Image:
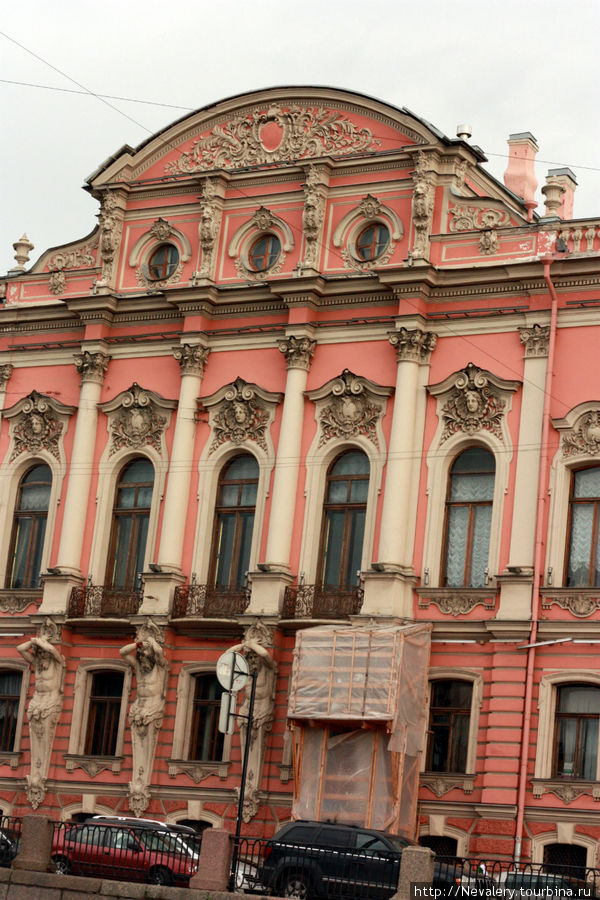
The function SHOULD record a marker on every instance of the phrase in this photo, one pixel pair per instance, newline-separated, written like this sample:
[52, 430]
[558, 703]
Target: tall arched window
[131, 513]
[234, 523]
[469, 518]
[583, 566]
[343, 526]
[29, 528]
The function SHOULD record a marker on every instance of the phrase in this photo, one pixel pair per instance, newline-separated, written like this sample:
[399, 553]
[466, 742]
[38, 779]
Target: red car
[123, 853]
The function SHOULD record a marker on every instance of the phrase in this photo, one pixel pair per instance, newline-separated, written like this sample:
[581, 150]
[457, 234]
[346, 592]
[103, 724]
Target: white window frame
[546, 732]
[475, 678]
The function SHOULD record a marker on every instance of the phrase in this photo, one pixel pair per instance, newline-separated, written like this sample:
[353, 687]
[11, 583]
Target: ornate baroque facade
[313, 367]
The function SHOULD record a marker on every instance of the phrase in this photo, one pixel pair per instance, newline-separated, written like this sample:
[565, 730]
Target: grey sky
[516, 65]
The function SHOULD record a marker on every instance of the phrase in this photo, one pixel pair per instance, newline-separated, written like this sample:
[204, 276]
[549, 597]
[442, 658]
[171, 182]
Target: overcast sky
[503, 67]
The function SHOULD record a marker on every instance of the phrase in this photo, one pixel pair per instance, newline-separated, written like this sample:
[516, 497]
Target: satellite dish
[232, 671]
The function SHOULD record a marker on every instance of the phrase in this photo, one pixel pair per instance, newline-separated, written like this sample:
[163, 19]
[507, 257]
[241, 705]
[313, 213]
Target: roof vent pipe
[464, 132]
[520, 172]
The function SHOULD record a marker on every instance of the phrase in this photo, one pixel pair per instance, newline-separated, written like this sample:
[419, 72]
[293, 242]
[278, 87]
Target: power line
[49, 87]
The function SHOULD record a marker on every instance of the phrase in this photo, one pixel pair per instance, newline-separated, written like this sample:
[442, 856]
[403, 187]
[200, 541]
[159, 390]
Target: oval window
[264, 252]
[163, 262]
[371, 242]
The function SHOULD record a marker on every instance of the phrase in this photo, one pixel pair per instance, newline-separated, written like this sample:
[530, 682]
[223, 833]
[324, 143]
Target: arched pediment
[268, 127]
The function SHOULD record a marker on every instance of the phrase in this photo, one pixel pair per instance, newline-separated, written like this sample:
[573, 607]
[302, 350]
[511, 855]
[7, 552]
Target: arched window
[234, 522]
[106, 694]
[469, 518]
[130, 524]
[206, 741]
[576, 731]
[343, 526]
[583, 566]
[440, 844]
[29, 528]
[10, 697]
[449, 722]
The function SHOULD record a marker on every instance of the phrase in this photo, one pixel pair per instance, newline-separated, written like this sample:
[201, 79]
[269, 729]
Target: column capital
[413, 344]
[535, 339]
[92, 366]
[191, 358]
[6, 371]
[298, 351]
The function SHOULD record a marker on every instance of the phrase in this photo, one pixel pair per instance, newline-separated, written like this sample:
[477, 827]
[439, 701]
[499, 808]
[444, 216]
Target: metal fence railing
[123, 852]
[10, 835]
[484, 877]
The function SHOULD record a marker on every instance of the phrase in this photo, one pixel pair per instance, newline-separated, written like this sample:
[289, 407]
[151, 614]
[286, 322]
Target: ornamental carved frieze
[413, 344]
[275, 134]
[137, 418]
[484, 219]
[441, 784]
[472, 400]
[240, 412]
[455, 603]
[198, 771]
[535, 338]
[566, 791]
[349, 406]
[11, 604]
[38, 423]
[298, 351]
[191, 358]
[161, 230]
[57, 283]
[580, 603]
[92, 366]
[584, 438]
[75, 258]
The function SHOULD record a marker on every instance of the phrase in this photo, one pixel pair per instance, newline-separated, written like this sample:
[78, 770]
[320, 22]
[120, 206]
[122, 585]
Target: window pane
[229, 495]
[334, 532]
[126, 499]
[460, 743]
[357, 530]
[481, 545]
[122, 539]
[10, 694]
[141, 470]
[588, 748]
[249, 494]
[224, 549]
[144, 497]
[567, 737]
[582, 520]
[455, 694]
[472, 487]
[34, 496]
[206, 742]
[246, 523]
[241, 468]
[456, 545]
[587, 483]
[338, 492]
[578, 698]
[359, 491]
[353, 463]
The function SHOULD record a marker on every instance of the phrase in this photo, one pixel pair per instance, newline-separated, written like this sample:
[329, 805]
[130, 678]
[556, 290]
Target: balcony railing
[210, 602]
[98, 601]
[315, 601]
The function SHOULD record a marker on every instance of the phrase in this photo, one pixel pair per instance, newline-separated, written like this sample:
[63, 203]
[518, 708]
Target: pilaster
[516, 582]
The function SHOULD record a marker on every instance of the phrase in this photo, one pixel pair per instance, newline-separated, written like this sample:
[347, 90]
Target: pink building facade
[313, 367]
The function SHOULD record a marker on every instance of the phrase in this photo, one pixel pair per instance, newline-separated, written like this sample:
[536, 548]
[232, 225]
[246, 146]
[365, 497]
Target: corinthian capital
[5, 372]
[191, 358]
[298, 351]
[413, 344]
[535, 340]
[92, 366]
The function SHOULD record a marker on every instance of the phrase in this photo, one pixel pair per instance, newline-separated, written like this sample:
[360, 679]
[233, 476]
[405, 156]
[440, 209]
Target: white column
[395, 544]
[191, 359]
[92, 367]
[298, 351]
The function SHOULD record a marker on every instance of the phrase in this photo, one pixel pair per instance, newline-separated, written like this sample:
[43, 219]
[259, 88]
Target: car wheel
[62, 866]
[160, 875]
[295, 884]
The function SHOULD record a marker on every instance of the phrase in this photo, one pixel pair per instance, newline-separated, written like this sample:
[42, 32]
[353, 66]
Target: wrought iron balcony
[316, 601]
[98, 601]
[210, 602]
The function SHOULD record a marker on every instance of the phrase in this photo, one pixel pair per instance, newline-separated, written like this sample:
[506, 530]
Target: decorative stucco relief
[147, 658]
[584, 437]
[484, 219]
[57, 283]
[348, 406]
[137, 418]
[413, 344]
[424, 179]
[38, 423]
[265, 136]
[161, 230]
[240, 412]
[535, 339]
[45, 705]
[298, 351]
[580, 603]
[111, 226]
[92, 366]
[16, 603]
[191, 358]
[6, 371]
[472, 400]
[455, 603]
[211, 210]
[74, 258]
[313, 214]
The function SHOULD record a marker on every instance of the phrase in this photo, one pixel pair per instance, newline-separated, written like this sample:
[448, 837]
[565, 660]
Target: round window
[371, 242]
[163, 262]
[264, 252]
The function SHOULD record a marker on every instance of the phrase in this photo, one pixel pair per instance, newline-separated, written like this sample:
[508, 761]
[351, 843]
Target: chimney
[520, 172]
[566, 178]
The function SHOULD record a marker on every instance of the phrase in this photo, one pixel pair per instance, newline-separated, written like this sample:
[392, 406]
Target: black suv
[318, 859]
